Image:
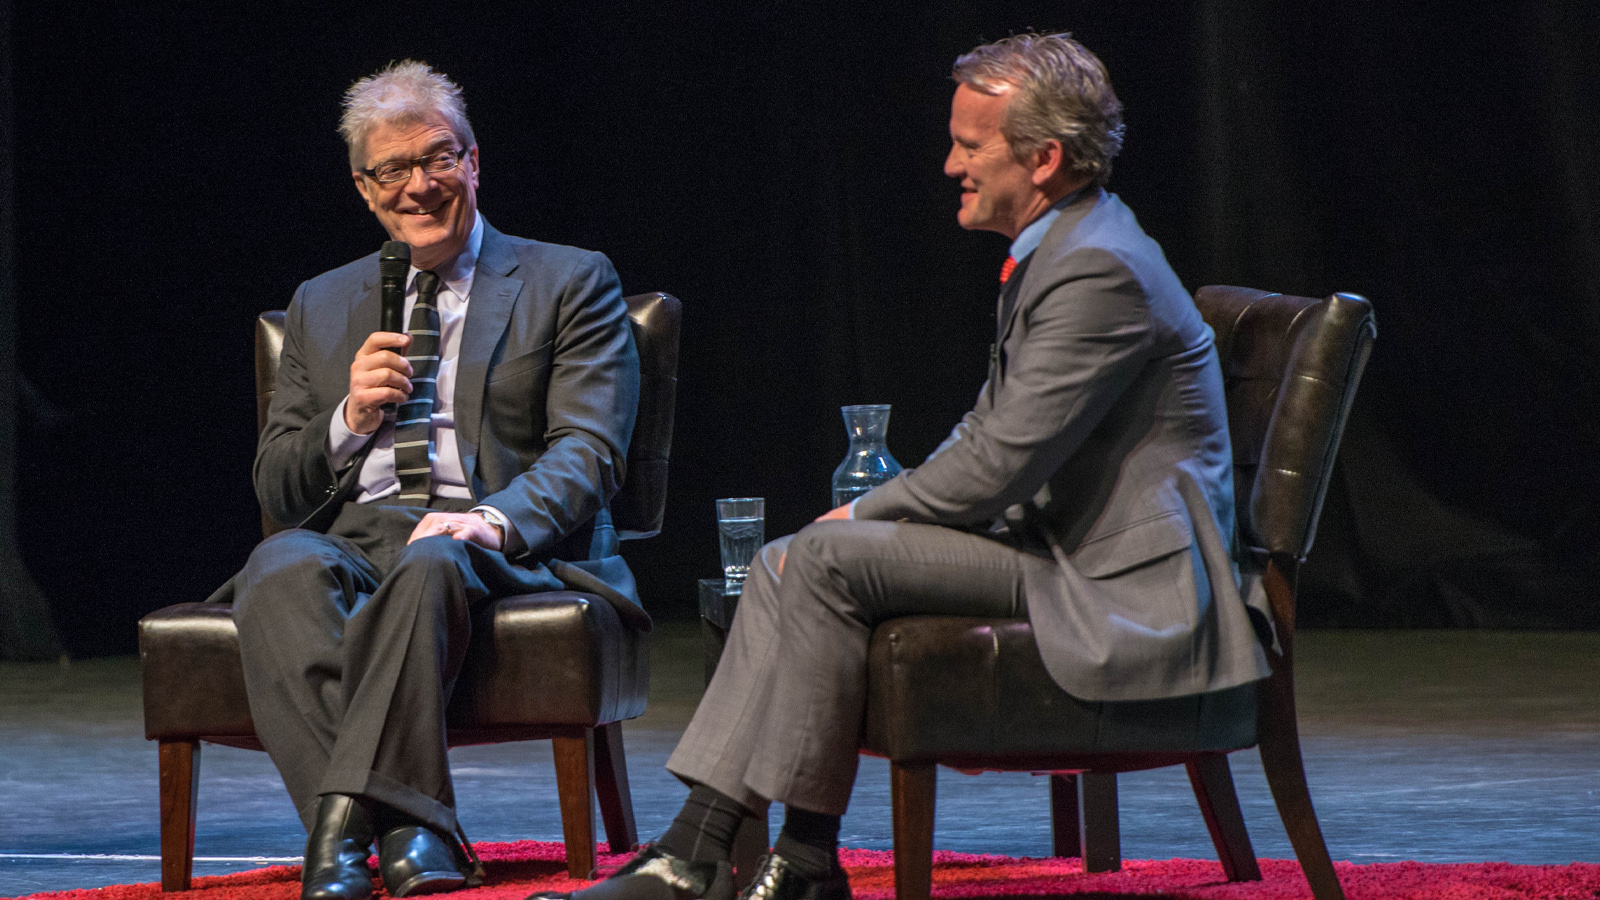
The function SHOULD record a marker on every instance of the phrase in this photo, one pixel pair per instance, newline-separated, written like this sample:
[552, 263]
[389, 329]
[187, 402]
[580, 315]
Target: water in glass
[740, 538]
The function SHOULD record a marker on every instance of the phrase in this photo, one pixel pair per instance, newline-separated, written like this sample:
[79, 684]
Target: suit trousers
[351, 642]
[781, 719]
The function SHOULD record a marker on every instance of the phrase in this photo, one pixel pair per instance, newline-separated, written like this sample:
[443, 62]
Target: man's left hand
[461, 526]
[838, 512]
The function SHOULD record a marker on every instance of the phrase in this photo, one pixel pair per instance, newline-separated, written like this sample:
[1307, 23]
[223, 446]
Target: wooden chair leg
[912, 790]
[1219, 804]
[179, 764]
[1278, 731]
[1100, 833]
[575, 784]
[1286, 775]
[1065, 837]
[611, 787]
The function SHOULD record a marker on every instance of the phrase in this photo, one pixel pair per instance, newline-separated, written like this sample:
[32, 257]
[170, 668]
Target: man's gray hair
[1059, 91]
[403, 93]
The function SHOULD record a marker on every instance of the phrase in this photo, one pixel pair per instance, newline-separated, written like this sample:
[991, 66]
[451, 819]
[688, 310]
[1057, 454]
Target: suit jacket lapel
[365, 314]
[1056, 237]
[494, 296]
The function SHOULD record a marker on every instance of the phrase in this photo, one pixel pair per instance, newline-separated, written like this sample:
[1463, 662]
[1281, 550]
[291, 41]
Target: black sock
[809, 840]
[704, 828]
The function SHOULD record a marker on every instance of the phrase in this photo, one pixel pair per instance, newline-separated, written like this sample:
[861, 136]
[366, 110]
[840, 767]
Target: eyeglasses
[398, 170]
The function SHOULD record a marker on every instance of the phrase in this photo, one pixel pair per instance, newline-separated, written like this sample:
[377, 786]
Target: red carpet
[516, 869]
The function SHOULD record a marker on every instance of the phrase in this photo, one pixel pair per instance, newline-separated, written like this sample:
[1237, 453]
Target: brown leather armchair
[558, 665]
[973, 694]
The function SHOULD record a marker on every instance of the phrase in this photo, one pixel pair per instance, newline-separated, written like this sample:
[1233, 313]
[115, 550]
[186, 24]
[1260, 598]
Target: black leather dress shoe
[777, 879]
[337, 851]
[655, 875]
[415, 860]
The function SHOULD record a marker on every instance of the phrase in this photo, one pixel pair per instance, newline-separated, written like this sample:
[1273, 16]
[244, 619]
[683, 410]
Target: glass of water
[741, 530]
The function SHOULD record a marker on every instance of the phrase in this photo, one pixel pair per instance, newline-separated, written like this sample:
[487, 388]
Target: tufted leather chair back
[639, 506]
[1290, 366]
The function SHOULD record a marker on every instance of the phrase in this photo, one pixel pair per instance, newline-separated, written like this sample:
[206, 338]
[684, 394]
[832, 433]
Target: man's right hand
[380, 374]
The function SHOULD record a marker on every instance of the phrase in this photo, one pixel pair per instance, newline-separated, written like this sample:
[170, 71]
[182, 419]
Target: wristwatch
[496, 518]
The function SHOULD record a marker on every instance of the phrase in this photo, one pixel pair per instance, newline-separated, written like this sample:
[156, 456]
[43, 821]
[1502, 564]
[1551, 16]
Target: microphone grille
[394, 259]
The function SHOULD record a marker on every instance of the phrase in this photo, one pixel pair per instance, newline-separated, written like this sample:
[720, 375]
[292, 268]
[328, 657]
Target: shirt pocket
[1132, 546]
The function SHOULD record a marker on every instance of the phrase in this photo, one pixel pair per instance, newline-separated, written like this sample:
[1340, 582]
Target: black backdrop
[778, 168]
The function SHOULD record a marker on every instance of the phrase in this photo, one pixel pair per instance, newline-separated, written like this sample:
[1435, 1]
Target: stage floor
[1435, 746]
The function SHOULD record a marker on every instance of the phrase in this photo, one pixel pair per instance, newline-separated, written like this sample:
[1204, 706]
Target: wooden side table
[717, 606]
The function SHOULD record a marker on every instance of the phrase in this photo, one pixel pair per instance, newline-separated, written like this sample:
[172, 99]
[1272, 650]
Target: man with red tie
[1089, 490]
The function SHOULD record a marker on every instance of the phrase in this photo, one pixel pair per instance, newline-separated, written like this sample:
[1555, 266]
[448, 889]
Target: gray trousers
[351, 642]
[781, 719]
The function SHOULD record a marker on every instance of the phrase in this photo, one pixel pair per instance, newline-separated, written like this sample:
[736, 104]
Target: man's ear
[1049, 163]
[365, 189]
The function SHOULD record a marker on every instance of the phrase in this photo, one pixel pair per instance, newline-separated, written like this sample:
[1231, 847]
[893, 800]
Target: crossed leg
[348, 669]
[781, 719]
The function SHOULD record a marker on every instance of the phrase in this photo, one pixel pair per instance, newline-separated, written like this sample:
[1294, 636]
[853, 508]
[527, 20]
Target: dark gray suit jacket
[1101, 439]
[546, 394]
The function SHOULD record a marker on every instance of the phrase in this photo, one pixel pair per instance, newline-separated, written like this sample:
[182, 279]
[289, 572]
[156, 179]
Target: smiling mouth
[424, 212]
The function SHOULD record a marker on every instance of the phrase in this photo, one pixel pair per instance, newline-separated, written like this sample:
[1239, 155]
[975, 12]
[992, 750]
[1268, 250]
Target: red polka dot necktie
[1006, 268]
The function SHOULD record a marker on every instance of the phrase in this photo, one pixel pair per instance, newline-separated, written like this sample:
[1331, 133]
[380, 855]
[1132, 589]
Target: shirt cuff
[508, 533]
[343, 444]
[850, 508]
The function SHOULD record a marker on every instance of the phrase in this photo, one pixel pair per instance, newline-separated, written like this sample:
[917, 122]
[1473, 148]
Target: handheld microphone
[394, 262]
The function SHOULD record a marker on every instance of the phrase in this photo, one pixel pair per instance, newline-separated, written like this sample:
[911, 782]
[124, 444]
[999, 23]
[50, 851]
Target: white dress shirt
[377, 478]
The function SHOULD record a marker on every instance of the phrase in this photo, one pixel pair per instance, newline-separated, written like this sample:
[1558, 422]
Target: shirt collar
[1031, 236]
[460, 268]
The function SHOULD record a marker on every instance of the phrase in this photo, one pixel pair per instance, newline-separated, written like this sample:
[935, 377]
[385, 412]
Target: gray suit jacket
[1101, 441]
[546, 395]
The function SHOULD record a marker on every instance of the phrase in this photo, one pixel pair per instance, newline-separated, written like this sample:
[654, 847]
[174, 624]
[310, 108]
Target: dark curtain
[26, 631]
[1441, 159]
[777, 166]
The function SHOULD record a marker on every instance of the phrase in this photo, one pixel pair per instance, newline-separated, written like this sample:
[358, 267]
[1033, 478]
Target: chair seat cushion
[537, 664]
[193, 682]
[974, 694]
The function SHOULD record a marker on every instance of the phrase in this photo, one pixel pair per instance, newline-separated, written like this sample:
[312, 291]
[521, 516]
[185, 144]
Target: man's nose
[953, 166]
[419, 181]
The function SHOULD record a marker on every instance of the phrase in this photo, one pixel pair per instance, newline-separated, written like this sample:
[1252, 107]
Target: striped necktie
[413, 426]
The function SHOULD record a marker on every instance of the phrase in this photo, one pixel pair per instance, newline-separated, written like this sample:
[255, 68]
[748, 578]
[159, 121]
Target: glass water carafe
[868, 463]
